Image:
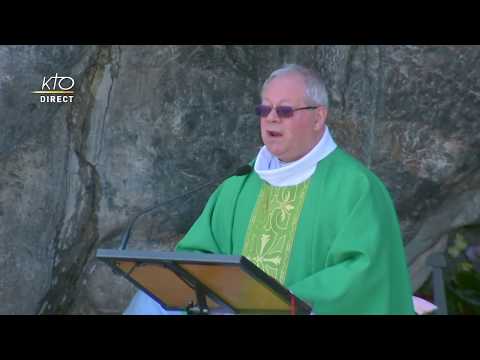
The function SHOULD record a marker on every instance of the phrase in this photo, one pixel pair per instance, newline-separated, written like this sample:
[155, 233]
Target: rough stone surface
[150, 122]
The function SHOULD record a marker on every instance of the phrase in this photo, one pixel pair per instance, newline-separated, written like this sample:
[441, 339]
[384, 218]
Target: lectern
[201, 283]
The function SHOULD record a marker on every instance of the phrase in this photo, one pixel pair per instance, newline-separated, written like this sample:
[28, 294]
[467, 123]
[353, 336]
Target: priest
[309, 214]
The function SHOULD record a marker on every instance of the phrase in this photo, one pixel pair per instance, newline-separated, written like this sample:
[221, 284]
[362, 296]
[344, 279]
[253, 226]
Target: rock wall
[148, 122]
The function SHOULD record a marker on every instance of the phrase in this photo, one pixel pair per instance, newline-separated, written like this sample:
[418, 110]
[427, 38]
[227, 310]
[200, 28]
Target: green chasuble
[346, 252]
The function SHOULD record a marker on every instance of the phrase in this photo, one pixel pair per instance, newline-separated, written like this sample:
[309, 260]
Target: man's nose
[273, 116]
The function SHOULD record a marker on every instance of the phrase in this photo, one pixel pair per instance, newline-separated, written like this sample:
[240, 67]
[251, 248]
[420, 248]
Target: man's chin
[275, 151]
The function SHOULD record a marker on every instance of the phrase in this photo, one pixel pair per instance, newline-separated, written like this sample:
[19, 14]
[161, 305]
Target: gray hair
[315, 93]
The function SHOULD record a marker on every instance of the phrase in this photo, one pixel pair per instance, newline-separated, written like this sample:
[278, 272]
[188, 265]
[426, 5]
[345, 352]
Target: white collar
[268, 166]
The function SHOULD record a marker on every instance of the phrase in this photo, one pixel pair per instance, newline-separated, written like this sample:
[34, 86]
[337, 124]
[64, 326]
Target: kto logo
[56, 89]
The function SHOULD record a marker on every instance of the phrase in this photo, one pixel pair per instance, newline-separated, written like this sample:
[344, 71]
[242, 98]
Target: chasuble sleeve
[200, 237]
[365, 270]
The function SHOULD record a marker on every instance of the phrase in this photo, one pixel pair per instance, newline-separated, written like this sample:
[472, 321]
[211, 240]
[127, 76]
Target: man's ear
[320, 118]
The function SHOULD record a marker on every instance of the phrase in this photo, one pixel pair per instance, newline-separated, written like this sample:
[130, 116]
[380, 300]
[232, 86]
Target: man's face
[289, 139]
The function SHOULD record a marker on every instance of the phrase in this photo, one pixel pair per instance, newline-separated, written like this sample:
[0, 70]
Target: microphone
[243, 170]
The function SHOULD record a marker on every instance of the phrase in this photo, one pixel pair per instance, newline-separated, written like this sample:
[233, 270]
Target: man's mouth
[274, 133]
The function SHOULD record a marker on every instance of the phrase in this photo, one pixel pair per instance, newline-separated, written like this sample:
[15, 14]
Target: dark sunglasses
[282, 111]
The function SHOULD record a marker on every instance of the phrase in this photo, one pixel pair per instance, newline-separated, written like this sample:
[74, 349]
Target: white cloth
[278, 173]
[142, 304]
[422, 306]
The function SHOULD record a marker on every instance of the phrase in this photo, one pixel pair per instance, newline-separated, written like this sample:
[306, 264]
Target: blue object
[142, 304]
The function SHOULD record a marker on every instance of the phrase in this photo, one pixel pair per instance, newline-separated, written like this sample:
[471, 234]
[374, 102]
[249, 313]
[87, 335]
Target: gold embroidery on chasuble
[271, 231]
